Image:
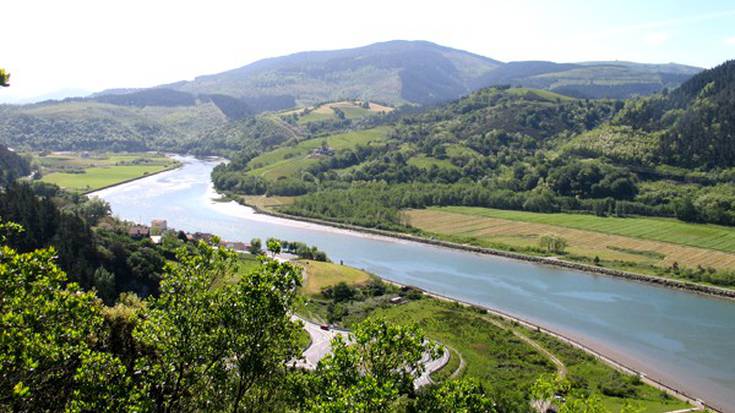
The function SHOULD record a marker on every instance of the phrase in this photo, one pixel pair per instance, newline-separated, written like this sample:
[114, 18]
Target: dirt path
[561, 369]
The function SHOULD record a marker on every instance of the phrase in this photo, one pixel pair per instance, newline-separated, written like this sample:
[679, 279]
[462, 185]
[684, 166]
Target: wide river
[684, 340]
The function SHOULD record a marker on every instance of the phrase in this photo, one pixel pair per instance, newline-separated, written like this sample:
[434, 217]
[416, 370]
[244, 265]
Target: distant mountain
[617, 80]
[393, 72]
[420, 72]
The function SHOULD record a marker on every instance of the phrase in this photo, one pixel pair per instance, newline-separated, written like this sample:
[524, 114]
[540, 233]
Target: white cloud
[656, 38]
[730, 40]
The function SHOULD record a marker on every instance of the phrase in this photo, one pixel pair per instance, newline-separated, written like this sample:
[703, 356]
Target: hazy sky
[93, 45]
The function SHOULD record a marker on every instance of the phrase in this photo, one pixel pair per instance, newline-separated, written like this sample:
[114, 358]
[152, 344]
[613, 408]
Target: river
[682, 339]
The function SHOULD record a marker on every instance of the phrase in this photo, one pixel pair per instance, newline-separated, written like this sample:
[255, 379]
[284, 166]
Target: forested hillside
[516, 148]
[696, 122]
[12, 166]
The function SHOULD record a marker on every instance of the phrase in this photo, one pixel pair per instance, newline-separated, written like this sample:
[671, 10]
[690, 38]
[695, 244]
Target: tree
[4, 78]
[49, 327]
[685, 210]
[553, 243]
[388, 359]
[461, 396]
[180, 329]
[93, 210]
[256, 246]
[590, 404]
[274, 246]
[259, 337]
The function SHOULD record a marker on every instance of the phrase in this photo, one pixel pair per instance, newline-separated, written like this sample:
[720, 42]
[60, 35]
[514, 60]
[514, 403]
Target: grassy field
[79, 173]
[319, 275]
[707, 236]
[484, 227]
[289, 161]
[426, 162]
[352, 110]
[268, 202]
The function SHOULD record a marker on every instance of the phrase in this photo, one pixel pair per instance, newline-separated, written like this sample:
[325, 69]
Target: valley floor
[87, 172]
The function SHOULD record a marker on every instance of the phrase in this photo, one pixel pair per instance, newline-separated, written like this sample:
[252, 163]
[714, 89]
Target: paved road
[320, 343]
[431, 366]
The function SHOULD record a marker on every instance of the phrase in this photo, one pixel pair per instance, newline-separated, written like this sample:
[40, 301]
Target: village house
[235, 245]
[138, 231]
[160, 224]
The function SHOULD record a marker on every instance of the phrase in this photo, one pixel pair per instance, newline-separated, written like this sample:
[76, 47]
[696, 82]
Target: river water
[684, 340]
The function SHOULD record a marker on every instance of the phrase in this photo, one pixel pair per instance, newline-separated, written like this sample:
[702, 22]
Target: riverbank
[635, 370]
[552, 261]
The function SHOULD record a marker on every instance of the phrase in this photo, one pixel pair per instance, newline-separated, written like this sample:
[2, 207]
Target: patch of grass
[289, 161]
[426, 162]
[493, 355]
[78, 173]
[643, 253]
[319, 275]
[591, 374]
[268, 202]
[446, 372]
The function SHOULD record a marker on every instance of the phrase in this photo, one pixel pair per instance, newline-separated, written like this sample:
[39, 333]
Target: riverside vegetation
[526, 150]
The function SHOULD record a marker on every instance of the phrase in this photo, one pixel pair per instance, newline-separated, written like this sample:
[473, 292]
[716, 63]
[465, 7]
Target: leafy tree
[49, 327]
[553, 243]
[274, 246]
[590, 404]
[258, 336]
[256, 246]
[372, 371]
[460, 396]
[4, 78]
[180, 328]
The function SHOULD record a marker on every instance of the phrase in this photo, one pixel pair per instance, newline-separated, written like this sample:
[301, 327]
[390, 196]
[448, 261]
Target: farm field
[484, 227]
[288, 161]
[352, 110]
[84, 173]
[268, 202]
[707, 236]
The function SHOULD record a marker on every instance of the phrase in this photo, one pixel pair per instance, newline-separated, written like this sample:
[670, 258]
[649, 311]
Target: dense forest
[12, 166]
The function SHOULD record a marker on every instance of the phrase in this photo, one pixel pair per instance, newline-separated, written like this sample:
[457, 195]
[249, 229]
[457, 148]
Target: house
[159, 224]
[139, 231]
[322, 151]
[235, 245]
[156, 239]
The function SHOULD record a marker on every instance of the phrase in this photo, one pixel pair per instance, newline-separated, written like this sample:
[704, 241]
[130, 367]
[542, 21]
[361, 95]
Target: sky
[75, 46]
